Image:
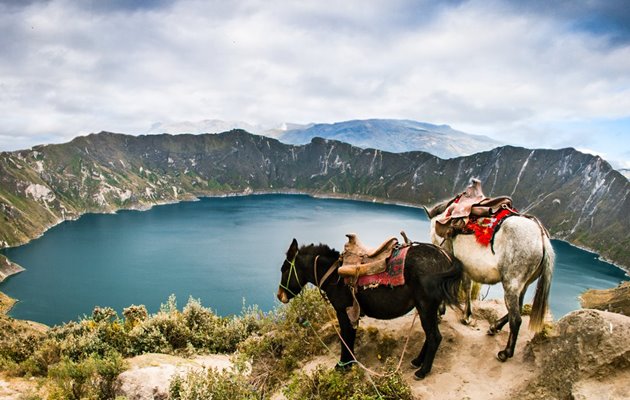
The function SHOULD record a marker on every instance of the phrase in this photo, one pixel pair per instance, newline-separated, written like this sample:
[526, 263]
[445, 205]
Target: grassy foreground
[81, 360]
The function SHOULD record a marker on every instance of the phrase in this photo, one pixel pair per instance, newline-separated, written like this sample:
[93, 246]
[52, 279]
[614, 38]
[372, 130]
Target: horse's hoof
[502, 356]
[415, 363]
[492, 331]
[465, 321]
[419, 375]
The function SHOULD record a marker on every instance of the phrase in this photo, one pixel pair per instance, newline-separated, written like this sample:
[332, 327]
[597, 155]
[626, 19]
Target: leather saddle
[470, 203]
[359, 260]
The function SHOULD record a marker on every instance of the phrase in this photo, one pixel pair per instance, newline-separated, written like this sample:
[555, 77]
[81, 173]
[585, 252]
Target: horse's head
[436, 239]
[290, 282]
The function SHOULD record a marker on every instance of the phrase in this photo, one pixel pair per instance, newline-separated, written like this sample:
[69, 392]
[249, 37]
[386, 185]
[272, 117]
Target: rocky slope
[579, 197]
[615, 299]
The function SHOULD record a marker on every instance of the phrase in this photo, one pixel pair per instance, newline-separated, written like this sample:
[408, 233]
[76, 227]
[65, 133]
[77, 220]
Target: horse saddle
[359, 260]
[471, 203]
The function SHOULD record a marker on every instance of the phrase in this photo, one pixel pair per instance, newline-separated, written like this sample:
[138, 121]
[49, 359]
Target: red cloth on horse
[484, 227]
[394, 275]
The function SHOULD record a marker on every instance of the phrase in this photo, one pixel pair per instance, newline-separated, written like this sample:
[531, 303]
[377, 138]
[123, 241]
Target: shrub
[292, 334]
[211, 384]
[91, 378]
[134, 315]
[355, 384]
[83, 358]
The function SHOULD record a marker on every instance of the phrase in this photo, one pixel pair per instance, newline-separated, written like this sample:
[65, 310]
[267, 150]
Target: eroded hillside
[579, 197]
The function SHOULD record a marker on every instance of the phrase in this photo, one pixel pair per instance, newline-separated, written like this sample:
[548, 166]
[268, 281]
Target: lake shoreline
[274, 211]
[312, 193]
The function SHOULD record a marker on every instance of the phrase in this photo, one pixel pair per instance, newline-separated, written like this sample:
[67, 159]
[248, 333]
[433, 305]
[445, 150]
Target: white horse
[521, 253]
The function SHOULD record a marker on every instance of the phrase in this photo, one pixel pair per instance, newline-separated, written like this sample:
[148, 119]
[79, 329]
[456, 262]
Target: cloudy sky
[544, 74]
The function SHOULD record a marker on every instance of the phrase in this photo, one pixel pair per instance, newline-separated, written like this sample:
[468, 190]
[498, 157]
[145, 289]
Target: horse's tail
[541, 298]
[449, 281]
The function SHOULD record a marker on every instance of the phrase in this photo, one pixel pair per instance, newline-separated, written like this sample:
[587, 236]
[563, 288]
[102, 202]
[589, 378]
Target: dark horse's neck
[325, 258]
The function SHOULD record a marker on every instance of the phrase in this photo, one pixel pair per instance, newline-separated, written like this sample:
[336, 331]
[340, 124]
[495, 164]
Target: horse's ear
[293, 249]
[426, 211]
[438, 209]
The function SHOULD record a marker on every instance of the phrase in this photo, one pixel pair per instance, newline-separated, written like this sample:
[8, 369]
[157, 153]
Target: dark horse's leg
[348, 335]
[429, 319]
[467, 288]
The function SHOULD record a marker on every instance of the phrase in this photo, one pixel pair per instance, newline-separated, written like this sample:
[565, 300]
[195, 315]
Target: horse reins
[332, 269]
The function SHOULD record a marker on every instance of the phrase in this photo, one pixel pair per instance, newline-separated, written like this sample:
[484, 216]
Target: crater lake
[226, 252]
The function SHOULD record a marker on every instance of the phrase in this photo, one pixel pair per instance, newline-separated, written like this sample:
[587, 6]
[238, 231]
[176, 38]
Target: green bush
[292, 334]
[82, 359]
[355, 385]
[134, 316]
[211, 385]
[91, 378]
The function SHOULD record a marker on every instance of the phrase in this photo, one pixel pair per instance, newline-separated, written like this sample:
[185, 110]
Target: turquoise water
[226, 252]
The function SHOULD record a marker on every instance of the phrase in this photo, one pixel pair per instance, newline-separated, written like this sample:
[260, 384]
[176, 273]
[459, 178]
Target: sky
[538, 74]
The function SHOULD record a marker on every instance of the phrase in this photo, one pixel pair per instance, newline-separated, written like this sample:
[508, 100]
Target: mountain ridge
[394, 135]
[579, 197]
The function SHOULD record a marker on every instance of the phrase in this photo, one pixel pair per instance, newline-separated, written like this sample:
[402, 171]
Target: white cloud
[482, 67]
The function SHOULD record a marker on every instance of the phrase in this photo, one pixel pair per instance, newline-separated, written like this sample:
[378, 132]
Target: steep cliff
[579, 197]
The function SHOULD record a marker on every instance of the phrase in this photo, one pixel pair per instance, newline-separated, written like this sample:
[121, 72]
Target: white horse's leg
[498, 324]
[514, 318]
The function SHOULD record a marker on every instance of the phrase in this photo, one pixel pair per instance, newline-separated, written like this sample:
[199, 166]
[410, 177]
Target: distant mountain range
[396, 136]
[393, 135]
[579, 197]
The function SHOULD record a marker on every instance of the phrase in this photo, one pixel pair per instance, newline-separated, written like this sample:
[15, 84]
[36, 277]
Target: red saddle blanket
[484, 228]
[394, 275]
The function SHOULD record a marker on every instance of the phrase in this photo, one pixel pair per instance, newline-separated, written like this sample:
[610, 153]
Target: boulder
[586, 355]
[149, 375]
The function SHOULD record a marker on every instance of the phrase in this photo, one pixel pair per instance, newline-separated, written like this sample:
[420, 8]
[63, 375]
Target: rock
[149, 375]
[587, 355]
[614, 300]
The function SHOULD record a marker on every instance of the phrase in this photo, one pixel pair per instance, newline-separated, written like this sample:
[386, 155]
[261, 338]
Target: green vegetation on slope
[81, 359]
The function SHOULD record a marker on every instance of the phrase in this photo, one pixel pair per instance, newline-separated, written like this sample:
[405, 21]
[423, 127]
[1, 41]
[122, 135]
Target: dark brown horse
[431, 277]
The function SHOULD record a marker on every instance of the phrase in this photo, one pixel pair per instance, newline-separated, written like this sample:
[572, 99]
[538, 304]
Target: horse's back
[519, 241]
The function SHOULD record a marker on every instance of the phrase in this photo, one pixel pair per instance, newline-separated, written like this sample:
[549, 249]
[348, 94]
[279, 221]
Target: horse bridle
[292, 270]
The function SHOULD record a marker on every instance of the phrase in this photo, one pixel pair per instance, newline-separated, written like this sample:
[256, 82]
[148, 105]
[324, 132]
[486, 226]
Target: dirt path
[465, 366]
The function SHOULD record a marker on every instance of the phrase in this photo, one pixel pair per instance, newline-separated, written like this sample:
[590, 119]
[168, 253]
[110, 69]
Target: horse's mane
[323, 250]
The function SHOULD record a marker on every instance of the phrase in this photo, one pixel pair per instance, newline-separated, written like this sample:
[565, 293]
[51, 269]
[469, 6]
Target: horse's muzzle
[282, 296]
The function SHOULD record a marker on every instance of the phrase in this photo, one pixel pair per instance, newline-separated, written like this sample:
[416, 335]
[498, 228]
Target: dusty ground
[465, 366]
[20, 388]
